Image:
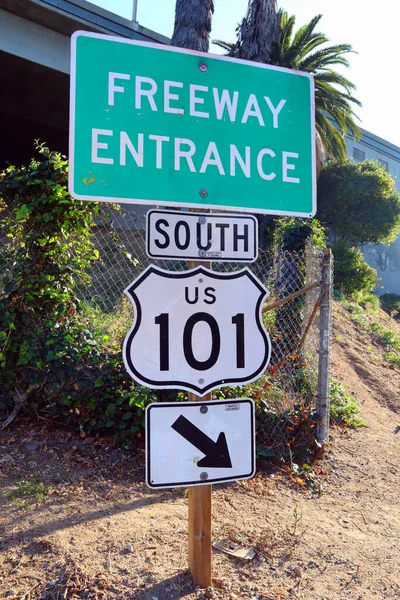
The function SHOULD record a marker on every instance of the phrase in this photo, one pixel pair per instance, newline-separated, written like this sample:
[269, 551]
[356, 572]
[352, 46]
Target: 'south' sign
[196, 330]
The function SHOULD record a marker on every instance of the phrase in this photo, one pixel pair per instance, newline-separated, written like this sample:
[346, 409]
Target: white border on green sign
[160, 202]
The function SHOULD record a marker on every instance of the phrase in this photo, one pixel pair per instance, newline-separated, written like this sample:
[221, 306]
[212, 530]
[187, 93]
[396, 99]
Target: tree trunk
[258, 30]
[193, 24]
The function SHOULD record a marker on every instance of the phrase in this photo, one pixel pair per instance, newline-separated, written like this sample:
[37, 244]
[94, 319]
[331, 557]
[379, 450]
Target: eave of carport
[34, 58]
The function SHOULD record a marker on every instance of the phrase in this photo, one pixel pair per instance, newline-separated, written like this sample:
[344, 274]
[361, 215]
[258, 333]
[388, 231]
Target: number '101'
[200, 365]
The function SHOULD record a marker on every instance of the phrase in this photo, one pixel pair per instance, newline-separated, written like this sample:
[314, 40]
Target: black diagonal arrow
[216, 453]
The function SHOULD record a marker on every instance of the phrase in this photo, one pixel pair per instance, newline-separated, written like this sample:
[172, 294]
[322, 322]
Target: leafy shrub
[393, 358]
[359, 202]
[109, 326]
[385, 336]
[38, 326]
[367, 300]
[51, 361]
[292, 232]
[352, 307]
[359, 319]
[351, 273]
[391, 304]
[343, 407]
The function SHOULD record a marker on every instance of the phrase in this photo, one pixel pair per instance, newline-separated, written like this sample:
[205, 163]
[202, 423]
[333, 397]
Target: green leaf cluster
[343, 406]
[359, 202]
[385, 336]
[351, 273]
[28, 492]
[292, 232]
[391, 304]
[47, 344]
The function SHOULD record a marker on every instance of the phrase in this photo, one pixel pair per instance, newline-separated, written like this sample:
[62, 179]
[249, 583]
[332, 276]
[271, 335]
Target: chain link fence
[291, 397]
[287, 394]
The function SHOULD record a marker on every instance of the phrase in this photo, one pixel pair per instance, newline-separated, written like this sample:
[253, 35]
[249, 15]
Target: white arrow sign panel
[198, 443]
[196, 330]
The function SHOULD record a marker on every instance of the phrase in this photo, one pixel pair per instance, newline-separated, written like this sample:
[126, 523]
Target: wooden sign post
[165, 349]
[200, 513]
[199, 525]
[220, 105]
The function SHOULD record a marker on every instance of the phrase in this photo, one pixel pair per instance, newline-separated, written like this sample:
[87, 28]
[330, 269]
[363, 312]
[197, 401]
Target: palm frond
[307, 50]
[332, 138]
[228, 46]
[275, 40]
[332, 55]
[334, 78]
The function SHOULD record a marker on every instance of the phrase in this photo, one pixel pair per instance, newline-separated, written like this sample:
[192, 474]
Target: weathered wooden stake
[200, 526]
[199, 516]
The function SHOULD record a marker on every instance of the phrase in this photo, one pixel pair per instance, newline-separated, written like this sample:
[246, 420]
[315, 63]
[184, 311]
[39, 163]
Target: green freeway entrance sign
[154, 124]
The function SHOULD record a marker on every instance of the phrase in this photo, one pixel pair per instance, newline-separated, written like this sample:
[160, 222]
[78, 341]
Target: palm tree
[193, 24]
[258, 30]
[305, 50]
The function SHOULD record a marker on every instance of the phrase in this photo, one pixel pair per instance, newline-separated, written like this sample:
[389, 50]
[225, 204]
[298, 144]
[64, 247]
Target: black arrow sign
[216, 453]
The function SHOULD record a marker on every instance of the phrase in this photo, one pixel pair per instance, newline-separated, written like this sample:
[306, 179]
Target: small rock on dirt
[7, 458]
[311, 564]
[30, 446]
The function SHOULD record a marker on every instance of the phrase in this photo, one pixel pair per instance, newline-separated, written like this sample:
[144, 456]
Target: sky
[371, 28]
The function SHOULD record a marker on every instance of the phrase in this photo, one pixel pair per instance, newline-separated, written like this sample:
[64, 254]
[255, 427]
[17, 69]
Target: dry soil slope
[107, 537]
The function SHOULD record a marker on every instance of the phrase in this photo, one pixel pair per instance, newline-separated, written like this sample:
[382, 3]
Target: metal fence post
[323, 402]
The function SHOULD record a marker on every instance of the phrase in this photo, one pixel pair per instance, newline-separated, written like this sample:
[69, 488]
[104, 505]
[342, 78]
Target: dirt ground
[99, 533]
